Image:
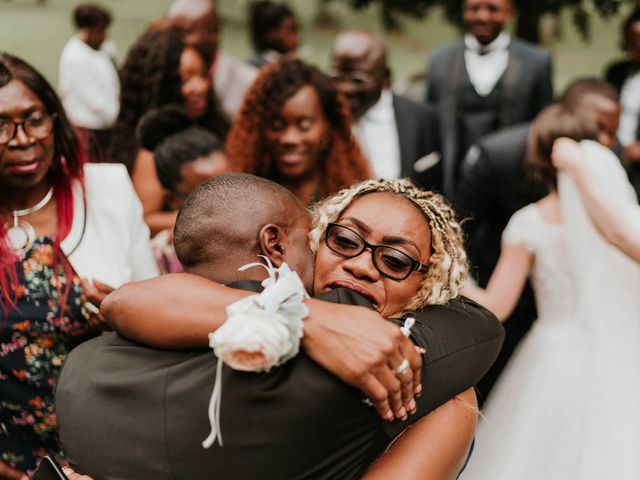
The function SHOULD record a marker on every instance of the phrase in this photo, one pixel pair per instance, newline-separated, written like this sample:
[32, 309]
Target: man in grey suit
[399, 136]
[129, 411]
[485, 82]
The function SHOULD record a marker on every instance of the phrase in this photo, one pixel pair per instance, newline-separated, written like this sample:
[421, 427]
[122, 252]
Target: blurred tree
[529, 12]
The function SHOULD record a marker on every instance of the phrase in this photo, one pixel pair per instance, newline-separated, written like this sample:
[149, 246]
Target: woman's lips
[24, 166]
[354, 287]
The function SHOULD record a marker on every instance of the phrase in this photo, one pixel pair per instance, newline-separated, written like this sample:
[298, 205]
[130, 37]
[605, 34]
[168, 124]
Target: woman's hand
[72, 475]
[363, 350]
[567, 155]
[8, 473]
[93, 293]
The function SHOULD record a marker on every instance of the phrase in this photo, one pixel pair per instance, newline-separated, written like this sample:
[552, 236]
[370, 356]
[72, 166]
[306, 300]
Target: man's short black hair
[89, 15]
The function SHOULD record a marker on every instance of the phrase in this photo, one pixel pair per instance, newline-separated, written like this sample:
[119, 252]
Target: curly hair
[342, 162]
[448, 266]
[150, 79]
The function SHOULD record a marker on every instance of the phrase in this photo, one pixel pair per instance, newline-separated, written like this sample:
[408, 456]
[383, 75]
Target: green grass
[38, 33]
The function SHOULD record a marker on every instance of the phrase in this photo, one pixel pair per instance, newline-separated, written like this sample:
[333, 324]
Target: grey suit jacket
[526, 89]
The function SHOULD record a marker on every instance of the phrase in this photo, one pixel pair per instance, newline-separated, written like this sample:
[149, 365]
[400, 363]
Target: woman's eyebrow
[393, 240]
[358, 223]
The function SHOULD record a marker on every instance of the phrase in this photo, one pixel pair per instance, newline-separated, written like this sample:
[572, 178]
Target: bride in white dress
[568, 404]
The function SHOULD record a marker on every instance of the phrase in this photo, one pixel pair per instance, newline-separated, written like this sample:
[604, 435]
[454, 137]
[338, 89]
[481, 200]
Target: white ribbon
[279, 305]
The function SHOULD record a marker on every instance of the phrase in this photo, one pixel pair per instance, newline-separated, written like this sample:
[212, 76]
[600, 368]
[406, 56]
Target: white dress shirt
[89, 85]
[378, 135]
[630, 102]
[486, 63]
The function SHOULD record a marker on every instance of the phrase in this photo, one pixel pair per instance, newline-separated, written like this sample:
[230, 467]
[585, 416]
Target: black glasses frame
[27, 129]
[416, 266]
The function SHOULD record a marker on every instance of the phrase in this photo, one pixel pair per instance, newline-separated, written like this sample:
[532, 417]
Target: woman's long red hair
[342, 164]
[66, 170]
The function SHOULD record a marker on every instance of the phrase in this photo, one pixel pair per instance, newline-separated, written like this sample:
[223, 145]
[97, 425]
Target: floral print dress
[34, 341]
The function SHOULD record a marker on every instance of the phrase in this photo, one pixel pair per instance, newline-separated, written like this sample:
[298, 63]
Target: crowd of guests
[130, 198]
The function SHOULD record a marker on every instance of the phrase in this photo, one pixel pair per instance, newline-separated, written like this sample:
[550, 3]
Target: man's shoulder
[507, 140]
[527, 49]
[406, 106]
[445, 52]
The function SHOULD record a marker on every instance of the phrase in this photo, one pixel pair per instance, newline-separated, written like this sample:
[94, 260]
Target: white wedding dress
[567, 406]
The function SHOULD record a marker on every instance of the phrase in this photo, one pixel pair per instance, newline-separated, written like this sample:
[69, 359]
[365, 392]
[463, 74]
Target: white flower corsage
[261, 331]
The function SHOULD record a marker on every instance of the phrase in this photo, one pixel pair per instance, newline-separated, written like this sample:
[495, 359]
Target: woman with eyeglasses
[407, 261]
[294, 128]
[69, 233]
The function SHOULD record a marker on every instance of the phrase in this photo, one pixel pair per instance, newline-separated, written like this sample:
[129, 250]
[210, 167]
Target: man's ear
[271, 239]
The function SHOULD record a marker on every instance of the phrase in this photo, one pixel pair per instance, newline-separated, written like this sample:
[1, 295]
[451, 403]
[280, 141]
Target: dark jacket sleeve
[462, 340]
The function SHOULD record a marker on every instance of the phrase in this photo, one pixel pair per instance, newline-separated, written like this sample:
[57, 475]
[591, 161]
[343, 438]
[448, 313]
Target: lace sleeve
[521, 229]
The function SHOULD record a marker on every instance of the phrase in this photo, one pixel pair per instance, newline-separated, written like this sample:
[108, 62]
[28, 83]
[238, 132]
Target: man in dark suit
[494, 184]
[484, 83]
[129, 411]
[399, 136]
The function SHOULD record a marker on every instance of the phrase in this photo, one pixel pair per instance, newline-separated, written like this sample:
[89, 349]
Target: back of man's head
[231, 219]
[597, 99]
[575, 93]
[191, 9]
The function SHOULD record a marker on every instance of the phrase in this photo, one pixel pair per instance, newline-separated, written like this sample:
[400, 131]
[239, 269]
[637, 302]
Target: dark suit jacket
[419, 136]
[526, 89]
[126, 411]
[493, 185]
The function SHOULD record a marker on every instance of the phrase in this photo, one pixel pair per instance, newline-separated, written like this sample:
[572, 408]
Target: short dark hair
[174, 140]
[574, 94]
[265, 16]
[218, 222]
[89, 15]
[554, 122]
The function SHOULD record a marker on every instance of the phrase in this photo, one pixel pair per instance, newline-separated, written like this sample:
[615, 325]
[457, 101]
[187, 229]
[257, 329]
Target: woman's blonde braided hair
[448, 262]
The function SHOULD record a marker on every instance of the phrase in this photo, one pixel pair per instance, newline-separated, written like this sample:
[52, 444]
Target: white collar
[382, 109]
[501, 42]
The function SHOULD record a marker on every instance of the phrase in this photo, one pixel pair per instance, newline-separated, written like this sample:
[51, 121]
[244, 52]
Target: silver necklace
[21, 234]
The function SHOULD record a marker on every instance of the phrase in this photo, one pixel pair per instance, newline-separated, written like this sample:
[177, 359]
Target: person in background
[295, 128]
[274, 32]
[484, 83]
[494, 184]
[583, 344]
[88, 80]
[185, 156]
[230, 76]
[160, 70]
[617, 221]
[400, 137]
[69, 233]
[625, 77]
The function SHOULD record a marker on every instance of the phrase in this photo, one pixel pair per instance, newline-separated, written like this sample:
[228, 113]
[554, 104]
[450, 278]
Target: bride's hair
[448, 267]
[552, 123]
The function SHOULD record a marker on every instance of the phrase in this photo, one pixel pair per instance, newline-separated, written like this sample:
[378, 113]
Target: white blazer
[109, 241]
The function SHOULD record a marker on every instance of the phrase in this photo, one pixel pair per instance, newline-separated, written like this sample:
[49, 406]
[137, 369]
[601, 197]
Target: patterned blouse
[34, 341]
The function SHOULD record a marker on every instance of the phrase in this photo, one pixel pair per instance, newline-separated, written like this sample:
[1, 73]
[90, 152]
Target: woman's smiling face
[381, 219]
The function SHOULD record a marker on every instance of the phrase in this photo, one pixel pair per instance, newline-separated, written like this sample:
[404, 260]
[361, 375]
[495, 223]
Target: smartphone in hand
[48, 469]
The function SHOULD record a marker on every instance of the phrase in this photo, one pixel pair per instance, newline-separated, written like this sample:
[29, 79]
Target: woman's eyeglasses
[38, 126]
[389, 261]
